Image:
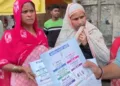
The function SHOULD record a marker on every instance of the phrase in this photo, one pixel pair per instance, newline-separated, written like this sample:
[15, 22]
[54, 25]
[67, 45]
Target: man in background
[53, 26]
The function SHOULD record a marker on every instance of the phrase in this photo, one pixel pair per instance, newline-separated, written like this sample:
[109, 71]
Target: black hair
[53, 6]
[32, 4]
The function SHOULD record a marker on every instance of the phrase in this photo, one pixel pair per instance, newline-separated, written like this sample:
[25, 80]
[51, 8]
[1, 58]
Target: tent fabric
[7, 6]
[49, 2]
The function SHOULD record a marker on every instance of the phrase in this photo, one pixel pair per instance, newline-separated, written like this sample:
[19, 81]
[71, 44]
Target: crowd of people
[26, 41]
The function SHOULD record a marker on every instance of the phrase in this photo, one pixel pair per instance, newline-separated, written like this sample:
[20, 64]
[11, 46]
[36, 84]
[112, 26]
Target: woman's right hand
[83, 38]
[29, 73]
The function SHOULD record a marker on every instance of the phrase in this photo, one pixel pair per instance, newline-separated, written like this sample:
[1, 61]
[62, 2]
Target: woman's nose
[29, 13]
[79, 21]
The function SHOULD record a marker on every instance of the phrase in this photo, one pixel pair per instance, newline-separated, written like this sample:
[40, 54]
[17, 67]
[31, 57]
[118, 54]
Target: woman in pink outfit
[20, 46]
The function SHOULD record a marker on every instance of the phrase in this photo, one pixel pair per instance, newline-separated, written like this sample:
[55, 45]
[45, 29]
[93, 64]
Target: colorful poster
[65, 66]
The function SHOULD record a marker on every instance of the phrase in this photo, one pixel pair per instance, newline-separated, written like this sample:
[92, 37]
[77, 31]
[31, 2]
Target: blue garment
[117, 60]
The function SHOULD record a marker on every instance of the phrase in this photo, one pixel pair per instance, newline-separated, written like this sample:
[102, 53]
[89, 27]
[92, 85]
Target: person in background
[53, 26]
[1, 29]
[10, 22]
[20, 46]
[113, 54]
[89, 37]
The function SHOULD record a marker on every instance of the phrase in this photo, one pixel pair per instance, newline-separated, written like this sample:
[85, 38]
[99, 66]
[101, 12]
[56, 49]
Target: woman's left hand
[83, 38]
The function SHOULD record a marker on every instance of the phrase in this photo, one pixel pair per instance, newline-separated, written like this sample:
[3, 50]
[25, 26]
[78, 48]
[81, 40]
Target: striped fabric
[52, 34]
[52, 30]
[115, 82]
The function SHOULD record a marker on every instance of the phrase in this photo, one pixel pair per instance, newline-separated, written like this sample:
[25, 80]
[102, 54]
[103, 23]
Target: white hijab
[94, 36]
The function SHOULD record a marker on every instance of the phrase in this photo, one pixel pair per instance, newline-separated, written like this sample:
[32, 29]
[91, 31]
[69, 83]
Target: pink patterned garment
[21, 79]
[115, 82]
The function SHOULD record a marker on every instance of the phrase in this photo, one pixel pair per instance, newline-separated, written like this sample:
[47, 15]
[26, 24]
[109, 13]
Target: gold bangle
[16, 69]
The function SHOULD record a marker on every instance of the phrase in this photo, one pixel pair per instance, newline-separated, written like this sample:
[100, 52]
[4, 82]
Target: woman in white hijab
[89, 37]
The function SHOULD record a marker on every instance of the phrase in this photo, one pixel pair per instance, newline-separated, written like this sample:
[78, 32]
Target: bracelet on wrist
[16, 69]
[101, 73]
